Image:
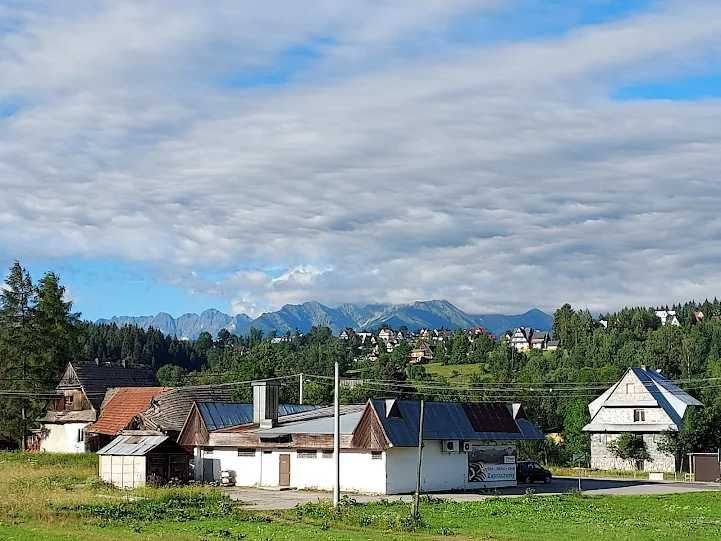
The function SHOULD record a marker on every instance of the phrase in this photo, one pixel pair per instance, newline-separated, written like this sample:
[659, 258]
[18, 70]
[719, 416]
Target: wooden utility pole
[336, 439]
[417, 496]
[300, 389]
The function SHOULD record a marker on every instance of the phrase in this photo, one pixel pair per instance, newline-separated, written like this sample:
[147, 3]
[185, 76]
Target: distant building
[386, 335]
[642, 402]
[525, 338]
[668, 317]
[422, 353]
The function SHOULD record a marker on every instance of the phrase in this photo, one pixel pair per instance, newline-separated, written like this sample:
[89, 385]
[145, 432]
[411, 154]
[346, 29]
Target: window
[639, 416]
[629, 388]
[69, 402]
[327, 453]
[81, 435]
[305, 453]
[246, 452]
[267, 452]
[376, 455]
[208, 451]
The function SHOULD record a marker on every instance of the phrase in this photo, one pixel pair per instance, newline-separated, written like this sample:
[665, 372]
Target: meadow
[58, 497]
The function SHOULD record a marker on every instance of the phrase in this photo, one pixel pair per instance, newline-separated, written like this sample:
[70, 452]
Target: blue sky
[500, 154]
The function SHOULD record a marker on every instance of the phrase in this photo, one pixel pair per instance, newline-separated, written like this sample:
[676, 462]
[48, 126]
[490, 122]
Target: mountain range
[417, 315]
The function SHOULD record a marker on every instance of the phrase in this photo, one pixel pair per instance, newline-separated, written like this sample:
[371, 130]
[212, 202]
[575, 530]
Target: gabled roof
[453, 421]
[168, 412]
[140, 443]
[122, 406]
[96, 378]
[658, 392]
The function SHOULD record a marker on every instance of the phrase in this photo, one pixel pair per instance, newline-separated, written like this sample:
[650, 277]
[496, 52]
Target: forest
[40, 333]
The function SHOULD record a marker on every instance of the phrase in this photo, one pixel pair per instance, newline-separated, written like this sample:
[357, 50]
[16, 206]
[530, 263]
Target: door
[284, 473]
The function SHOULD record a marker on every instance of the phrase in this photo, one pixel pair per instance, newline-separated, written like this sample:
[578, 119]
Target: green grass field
[58, 497]
[456, 373]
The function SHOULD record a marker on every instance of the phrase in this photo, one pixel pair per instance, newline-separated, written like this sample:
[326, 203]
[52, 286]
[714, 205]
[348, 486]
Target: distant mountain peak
[434, 313]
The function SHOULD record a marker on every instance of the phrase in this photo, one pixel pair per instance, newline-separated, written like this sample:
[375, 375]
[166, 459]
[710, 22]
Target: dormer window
[639, 416]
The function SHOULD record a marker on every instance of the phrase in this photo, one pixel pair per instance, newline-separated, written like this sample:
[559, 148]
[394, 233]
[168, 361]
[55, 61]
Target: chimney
[265, 403]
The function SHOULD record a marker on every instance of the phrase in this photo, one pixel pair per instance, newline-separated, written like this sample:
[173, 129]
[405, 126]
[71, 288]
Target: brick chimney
[265, 403]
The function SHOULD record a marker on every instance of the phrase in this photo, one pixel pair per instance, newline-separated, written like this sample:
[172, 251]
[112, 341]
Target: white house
[81, 392]
[668, 317]
[642, 402]
[466, 446]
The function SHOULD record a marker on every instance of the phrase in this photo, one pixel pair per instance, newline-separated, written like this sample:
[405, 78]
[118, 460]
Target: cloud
[496, 175]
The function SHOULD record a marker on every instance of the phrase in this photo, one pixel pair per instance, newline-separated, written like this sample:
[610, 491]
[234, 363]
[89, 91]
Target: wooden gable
[194, 431]
[369, 433]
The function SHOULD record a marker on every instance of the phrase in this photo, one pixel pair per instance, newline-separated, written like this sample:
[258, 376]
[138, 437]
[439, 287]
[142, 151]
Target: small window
[327, 453]
[81, 435]
[639, 416]
[376, 455]
[246, 452]
[267, 452]
[304, 453]
[69, 402]
[208, 451]
[629, 388]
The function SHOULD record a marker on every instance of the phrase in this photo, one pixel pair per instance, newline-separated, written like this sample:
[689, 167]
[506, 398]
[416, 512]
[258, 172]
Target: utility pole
[300, 388]
[23, 445]
[336, 438]
[417, 496]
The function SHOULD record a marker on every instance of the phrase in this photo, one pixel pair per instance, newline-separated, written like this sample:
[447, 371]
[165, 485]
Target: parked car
[529, 471]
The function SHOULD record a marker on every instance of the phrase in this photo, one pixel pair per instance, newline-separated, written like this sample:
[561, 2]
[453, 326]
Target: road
[262, 499]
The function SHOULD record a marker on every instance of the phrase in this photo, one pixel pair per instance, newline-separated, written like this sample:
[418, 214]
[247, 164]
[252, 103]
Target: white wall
[123, 471]
[359, 471]
[393, 473]
[439, 472]
[62, 438]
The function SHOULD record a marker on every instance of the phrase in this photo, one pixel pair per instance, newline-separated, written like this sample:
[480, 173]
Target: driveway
[262, 499]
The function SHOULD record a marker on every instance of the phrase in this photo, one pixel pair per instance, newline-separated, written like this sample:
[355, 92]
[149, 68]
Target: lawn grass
[58, 498]
[456, 373]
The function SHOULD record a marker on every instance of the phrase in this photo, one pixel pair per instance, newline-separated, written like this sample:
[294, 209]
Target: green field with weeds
[455, 373]
[58, 497]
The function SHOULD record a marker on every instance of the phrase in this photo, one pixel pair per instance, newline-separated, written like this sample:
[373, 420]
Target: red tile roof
[122, 406]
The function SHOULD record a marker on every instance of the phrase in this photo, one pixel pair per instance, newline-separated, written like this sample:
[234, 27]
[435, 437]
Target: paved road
[274, 499]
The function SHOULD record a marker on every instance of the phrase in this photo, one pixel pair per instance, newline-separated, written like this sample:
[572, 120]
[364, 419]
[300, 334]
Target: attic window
[393, 411]
[639, 416]
[629, 388]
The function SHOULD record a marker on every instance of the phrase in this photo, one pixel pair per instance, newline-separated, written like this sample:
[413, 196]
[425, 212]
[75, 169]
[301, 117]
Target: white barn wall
[62, 438]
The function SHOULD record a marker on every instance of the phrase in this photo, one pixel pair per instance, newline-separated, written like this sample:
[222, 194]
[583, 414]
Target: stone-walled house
[644, 403]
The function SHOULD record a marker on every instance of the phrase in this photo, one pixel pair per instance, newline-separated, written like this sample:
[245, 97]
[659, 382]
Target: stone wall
[602, 459]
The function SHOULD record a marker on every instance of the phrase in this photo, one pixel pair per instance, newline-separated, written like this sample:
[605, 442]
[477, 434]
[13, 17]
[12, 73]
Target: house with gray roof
[642, 402]
[80, 395]
[465, 445]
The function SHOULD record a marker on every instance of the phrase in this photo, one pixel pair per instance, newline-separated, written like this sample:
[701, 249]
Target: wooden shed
[137, 458]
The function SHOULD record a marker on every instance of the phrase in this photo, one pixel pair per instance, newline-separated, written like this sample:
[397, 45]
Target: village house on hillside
[525, 338]
[668, 317]
[465, 445]
[81, 393]
[642, 402]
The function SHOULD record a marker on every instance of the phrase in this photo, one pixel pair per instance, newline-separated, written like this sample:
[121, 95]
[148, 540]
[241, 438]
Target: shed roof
[122, 406]
[319, 421]
[219, 415]
[133, 444]
[453, 421]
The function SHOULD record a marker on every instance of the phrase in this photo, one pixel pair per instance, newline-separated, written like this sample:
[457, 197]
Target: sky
[501, 154]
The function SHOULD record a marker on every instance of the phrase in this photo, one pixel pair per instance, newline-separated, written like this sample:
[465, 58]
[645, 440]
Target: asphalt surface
[263, 499]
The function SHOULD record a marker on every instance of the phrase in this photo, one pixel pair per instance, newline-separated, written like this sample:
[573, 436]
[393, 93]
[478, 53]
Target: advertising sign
[491, 463]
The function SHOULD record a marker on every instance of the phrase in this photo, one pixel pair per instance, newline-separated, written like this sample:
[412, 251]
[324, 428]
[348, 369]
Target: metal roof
[452, 421]
[219, 415]
[321, 424]
[132, 445]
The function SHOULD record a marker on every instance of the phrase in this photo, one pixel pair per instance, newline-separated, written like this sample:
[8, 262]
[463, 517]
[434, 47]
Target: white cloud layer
[397, 166]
